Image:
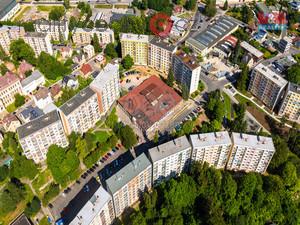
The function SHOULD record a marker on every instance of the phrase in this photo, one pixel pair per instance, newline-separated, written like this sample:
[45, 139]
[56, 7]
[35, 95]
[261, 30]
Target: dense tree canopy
[128, 137]
[127, 62]
[56, 13]
[210, 8]
[293, 74]
[19, 100]
[23, 167]
[111, 51]
[129, 24]
[19, 51]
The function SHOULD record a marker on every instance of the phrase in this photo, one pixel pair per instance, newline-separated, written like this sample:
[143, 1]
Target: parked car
[78, 182]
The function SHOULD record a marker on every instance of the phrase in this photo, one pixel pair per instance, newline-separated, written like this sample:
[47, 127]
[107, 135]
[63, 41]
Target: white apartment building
[290, 106]
[170, 159]
[9, 34]
[213, 148]
[9, 86]
[89, 51]
[129, 183]
[250, 153]
[135, 45]
[8, 8]
[160, 54]
[81, 112]
[57, 30]
[83, 36]
[186, 70]
[36, 136]
[107, 86]
[266, 85]
[97, 211]
[39, 42]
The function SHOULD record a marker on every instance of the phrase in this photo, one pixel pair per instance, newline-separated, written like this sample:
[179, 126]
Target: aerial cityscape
[149, 112]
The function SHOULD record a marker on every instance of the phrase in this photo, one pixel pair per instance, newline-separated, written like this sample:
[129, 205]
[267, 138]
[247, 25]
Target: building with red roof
[86, 69]
[9, 86]
[149, 103]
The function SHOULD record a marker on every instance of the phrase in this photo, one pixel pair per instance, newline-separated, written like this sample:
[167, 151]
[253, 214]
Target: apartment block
[135, 45]
[83, 36]
[290, 106]
[160, 54]
[81, 112]
[250, 153]
[36, 136]
[129, 183]
[186, 70]
[107, 86]
[98, 210]
[9, 86]
[9, 34]
[266, 85]
[170, 159]
[8, 8]
[39, 42]
[213, 148]
[57, 30]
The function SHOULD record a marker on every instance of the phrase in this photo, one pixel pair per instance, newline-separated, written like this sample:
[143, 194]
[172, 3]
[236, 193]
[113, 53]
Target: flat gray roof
[34, 76]
[77, 100]
[210, 139]
[294, 88]
[6, 6]
[160, 42]
[38, 124]
[253, 141]
[214, 33]
[169, 148]
[127, 173]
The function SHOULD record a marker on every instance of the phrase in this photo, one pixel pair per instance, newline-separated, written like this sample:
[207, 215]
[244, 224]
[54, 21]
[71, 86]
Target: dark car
[109, 154]
[117, 148]
[78, 182]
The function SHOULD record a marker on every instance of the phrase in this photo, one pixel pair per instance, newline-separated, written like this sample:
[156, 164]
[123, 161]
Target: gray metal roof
[127, 173]
[77, 100]
[6, 6]
[162, 44]
[213, 34]
[169, 148]
[34, 76]
[38, 124]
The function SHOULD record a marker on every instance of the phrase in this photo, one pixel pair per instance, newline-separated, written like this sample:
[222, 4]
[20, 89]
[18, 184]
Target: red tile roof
[233, 40]
[8, 79]
[8, 119]
[86, 68]
[150, 102]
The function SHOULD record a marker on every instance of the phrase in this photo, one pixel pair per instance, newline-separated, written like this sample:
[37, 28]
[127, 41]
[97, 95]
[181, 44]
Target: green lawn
[43, 178]
[243, 100]
[121, 6]
[44, 8]
[227, 103]
[102, 136]
[22, 12]
[103, 6]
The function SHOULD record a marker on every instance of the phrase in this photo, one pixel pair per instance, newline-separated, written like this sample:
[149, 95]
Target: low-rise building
[9, 86]
[86, 70]
[57, 30]
[250, 153]
[255, 53]
[148, 104]
[129, 183]
[29, 113]
[81, 112]
[10, 123]
[213, 148]
[290, 106]
[31, 83]
[170, 159]
[89, 51]
[83, 36]
[8, 8]
[9, 34]
[39, 42]
[160, 54]
[135, 45]
[107, 86]
[266, 85]
[186, 70]
[42, 98]
[285, 44]
[38, 135]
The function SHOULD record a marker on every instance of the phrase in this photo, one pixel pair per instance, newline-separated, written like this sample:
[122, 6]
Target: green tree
[52, 192]
[22, 167]
[128, 137]
[247, 15]
[241, 83]
[171, 78]
[19, 100]
[127, 62]
[3, 69]
[293, 74]
[129, 24]
[56, 13]
[19, 51]
[188, 126]
[33, 207]
[185, 92]
[210, 8]
[281, 153]
[72, 23]
[190, 4]
[67, 4]
[112, 119]
[90, 25]
[81, 147]
[96, 44]
[156, 137]
[225, 6]
[3, 173]
[111, 51]
[289, 174]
